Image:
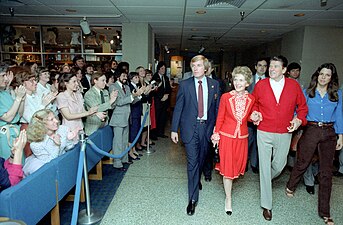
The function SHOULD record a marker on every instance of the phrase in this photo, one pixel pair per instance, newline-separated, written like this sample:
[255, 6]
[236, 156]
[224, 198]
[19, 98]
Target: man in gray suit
[97, 95]
[261, 68]
[120, 118]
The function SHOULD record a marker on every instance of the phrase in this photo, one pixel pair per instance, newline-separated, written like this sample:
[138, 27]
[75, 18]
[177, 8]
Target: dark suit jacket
[161, 90]
[186, 108]
[137, 107]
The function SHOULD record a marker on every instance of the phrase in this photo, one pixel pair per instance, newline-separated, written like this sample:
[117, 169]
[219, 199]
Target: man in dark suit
[161, 98]
[261, 67]
[195, 113]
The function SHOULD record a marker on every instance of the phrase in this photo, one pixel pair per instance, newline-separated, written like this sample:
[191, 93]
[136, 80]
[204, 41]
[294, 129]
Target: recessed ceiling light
[71, 10]
[299, 14]
[107, 28]
[30, 27]
[69, 28]
[263, 31]
[201, 12]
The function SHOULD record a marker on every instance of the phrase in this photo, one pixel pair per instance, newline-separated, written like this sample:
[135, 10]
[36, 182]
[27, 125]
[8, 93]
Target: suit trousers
[273, 151]
[119, 144]
[252, 145]
[196, 151]
[208, 164]
[323, 138]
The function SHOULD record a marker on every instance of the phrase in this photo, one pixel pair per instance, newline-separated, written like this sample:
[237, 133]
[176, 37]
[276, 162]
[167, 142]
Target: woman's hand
[57, 139]
[47, 99]
[256, 117]
[215, 139]
[72, 134]
[18, 147]
[20, 92]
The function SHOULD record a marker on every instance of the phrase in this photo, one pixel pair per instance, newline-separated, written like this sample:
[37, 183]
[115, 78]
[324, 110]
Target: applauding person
[48, 140]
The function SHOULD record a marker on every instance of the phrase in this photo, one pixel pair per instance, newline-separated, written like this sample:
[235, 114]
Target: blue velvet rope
[78, 186]
[98, 150]
[80, 167]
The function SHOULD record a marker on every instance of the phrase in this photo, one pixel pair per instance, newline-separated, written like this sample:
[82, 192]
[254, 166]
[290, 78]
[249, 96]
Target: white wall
[322, 45]
[137, 44]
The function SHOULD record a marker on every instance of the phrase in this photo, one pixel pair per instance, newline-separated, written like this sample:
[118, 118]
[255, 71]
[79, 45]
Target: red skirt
[152, 115]
[233, 154]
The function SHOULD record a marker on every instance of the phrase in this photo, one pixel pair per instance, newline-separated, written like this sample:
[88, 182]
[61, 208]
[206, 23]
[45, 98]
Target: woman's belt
[320, 124]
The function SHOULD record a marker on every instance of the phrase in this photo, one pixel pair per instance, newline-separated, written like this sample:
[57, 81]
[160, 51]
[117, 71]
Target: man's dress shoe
[208, 179]
[191, 207]
[310, 189]
[254, 169]
[121, 169]
[162, 136]
[267, 214]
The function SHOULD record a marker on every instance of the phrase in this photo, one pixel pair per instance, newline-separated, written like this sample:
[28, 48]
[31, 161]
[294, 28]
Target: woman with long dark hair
[70, 102]
[325, 123]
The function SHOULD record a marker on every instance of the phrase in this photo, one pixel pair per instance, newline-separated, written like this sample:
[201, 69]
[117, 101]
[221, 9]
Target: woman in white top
[44, 89]
[48, 140]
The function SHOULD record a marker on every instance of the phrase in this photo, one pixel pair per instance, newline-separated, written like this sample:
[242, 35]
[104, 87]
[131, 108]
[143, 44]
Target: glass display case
[59, 44]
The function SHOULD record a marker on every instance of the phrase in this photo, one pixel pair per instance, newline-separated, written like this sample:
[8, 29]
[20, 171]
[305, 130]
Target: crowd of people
[263, 122]
[48, 107]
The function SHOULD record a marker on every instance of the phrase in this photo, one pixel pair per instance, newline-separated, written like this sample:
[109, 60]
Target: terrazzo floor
[154, 191]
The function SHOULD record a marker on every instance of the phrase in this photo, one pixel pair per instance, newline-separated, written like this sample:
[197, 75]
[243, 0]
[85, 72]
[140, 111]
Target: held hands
[164, 98]
[295, 124]
[256, 117]
[174, 137]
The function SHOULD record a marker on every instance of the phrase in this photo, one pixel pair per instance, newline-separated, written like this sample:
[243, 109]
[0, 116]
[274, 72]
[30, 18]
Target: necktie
[102, 97]
[200, 100]
[123, 86]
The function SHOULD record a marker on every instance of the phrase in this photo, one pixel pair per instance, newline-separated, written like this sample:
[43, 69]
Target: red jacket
[276, 117]
[227, 122]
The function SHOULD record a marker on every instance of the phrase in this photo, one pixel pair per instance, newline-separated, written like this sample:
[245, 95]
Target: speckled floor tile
[154, 191]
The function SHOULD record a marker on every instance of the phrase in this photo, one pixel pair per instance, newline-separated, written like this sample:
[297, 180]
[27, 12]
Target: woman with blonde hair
[48, 140]
[231, 131]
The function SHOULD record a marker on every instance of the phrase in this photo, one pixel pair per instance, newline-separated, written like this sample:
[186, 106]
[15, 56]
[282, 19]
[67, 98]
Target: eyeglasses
[32, 80]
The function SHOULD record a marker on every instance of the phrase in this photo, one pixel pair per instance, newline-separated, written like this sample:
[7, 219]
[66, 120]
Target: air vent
[225, 3]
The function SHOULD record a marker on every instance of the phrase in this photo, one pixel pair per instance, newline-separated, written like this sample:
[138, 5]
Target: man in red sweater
[277, 98]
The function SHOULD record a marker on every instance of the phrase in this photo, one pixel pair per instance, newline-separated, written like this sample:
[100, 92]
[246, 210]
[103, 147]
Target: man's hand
[295, 124]
[164, 98]
[174, 137]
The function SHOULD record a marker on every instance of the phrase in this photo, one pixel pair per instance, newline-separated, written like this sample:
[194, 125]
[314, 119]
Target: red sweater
[276, 116]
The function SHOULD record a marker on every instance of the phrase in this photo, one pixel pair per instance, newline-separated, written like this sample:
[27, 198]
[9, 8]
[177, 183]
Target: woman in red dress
[231, 131]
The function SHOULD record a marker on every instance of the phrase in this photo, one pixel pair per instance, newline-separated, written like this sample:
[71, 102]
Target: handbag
[216, 158]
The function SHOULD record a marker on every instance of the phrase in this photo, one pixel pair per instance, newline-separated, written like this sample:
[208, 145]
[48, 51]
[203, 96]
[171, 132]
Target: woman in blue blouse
[9, 111]
[325, 123]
